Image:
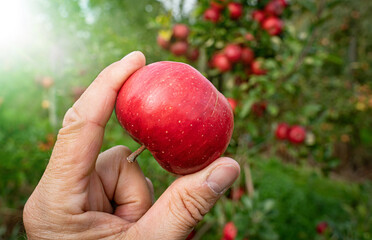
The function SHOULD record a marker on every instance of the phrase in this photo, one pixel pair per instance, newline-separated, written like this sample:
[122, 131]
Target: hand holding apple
[85, 194]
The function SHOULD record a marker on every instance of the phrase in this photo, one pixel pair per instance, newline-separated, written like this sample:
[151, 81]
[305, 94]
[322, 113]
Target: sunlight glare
[13, 22]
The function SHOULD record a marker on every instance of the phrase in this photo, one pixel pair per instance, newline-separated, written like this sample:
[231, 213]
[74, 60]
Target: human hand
[86, 195]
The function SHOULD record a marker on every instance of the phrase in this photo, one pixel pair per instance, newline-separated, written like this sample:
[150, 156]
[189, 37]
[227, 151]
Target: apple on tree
[273, 25]
[181, 31]
[212, 14]
[221, 62]
[282, 131]
[179, 48]
[233, 52]
[229, 231]
[177, 114]
[235, 10]
[297, 134]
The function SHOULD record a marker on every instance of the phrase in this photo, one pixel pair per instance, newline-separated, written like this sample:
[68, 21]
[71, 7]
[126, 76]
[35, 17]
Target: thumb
[186, 201]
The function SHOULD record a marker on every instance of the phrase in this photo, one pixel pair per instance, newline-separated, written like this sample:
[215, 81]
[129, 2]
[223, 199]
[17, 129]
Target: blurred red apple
[321, 227]
[259, 108]
[256, 68]
[258, 15]
[247, 56]
[212, 14]
[233, 52]
[273, 25]
[237, 193]
[229, 231]
[181, 31]
[193, 54]
[233, 103]
[177, 114]
[162, 42]
[249, 36]
[179, 48]
[282, 131]
[274, 8]
[235, 10]
[221, 62]
[297, 135]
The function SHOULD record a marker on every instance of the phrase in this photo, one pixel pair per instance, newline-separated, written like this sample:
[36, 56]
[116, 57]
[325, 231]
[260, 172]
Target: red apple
[235, 10]
[179, 48]
[247, 56]
[218, 4]
[212, 14]
[193, 54]
[221, 62]
[181, 31]
[259, 108]
[237, 193]
[249, 37]
[273, 25]
[321, 227]
[233, 52]
[282, 131]
[162, 42]
[258, 15]
[233, 103]
[191, 235]
[297, 135]
[284, 3]
[229, 231]
[274, 8]
[177, 114]
[256, 68]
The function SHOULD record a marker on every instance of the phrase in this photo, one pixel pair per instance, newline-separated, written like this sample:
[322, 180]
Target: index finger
[79, 141]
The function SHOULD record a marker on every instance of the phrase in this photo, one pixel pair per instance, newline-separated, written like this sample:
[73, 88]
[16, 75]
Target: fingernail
[222, 178]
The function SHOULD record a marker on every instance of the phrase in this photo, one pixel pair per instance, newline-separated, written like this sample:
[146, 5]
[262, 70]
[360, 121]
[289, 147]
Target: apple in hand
[177, 114]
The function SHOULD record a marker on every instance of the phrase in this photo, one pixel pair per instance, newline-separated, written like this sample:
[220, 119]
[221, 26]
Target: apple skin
[181, 31]
[212, 14]
[297, 134]
[233, 52]
[181, 118]
[179, 48]
[281, 131]
[273, 25]
[235, 10]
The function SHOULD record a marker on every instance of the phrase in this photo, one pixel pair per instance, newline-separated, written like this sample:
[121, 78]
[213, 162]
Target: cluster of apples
[177, 43]
[232, 54]
[269, 16]
[214, 12]
[295, 134]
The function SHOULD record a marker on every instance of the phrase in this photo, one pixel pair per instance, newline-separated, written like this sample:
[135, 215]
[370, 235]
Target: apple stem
[132, 158]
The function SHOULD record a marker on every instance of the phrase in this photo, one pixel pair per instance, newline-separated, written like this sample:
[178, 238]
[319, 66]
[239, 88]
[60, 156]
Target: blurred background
[297, 74]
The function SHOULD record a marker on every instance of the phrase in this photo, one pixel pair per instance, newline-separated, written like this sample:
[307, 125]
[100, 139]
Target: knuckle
[122, 150]
[72, 117]
[189, 207]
